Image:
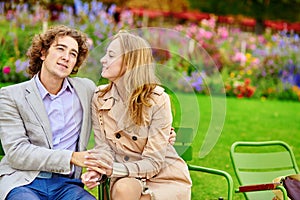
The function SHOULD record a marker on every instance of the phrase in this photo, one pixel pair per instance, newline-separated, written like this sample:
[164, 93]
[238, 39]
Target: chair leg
[104, 191]
[100, 192]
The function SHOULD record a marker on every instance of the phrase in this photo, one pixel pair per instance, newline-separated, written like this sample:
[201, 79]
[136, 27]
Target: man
[45, 122]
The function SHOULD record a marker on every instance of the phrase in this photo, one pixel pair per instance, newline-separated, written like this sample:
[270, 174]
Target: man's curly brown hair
[42, 42]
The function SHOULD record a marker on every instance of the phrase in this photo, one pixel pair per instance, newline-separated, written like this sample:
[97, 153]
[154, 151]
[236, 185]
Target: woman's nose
[102, 60]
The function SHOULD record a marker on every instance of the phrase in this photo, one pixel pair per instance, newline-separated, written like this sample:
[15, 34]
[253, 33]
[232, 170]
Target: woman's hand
[91, 179]
[172, 137]
[100, 162]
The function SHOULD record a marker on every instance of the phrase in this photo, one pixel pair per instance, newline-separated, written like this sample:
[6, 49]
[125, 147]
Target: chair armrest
[258, 187]
[226, 175]
[265, 186]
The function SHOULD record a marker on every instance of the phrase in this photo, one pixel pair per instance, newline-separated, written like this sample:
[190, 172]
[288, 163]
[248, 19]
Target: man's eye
[74, 55]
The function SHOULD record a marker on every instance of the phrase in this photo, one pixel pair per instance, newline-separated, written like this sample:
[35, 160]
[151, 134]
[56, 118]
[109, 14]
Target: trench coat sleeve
[153, 155]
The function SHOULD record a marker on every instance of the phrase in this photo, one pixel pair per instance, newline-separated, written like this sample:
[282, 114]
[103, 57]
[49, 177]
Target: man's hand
[78, 158]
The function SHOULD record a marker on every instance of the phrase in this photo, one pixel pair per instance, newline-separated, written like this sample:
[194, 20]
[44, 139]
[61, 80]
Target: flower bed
[251, 66]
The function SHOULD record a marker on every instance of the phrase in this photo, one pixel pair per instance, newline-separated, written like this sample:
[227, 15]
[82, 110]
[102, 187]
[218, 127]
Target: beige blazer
[26, 134]
[145, 151]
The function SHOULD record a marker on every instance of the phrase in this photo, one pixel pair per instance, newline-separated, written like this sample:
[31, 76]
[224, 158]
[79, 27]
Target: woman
[132, 118]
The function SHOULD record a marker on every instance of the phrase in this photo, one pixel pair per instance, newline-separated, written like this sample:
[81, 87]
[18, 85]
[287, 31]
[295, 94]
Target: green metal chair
[184, 138]
[257, 164]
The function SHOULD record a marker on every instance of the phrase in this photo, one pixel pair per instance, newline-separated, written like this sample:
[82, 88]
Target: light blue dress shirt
[64, 113]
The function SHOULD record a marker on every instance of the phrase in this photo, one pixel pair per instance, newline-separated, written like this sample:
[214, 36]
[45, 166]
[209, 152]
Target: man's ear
[43, 56]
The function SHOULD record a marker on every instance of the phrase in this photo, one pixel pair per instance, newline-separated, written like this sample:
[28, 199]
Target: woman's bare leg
[128, 189]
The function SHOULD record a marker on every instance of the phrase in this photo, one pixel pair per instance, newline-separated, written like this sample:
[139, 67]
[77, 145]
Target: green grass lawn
[247, 120]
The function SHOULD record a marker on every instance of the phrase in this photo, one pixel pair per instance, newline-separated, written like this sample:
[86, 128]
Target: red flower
[247, 81]
[6, 70]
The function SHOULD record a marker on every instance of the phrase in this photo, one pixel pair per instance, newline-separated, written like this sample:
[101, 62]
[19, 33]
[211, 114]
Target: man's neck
[52, 85]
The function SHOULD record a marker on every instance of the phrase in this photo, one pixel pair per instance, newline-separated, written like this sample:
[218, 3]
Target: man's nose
[66, 56]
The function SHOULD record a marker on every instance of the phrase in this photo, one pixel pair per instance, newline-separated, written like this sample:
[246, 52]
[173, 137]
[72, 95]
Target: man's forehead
[66, 41]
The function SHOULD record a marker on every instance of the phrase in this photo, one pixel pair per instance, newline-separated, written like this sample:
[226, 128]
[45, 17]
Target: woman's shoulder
[158, 90]
[159, 93]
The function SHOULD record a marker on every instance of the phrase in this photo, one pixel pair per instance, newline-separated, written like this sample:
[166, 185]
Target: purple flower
[21, 66]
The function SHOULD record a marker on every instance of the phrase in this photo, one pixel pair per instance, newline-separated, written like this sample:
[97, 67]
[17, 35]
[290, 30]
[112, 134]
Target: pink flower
[239, 57]
[6, 69]
[223, 32]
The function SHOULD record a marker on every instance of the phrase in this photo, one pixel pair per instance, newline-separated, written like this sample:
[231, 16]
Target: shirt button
[126, 158]
[134, 138]
[118, 135]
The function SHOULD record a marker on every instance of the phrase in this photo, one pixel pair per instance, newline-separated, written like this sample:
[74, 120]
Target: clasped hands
[97, 163]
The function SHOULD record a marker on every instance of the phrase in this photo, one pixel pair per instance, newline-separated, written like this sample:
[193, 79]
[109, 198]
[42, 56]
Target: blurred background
[254, 43]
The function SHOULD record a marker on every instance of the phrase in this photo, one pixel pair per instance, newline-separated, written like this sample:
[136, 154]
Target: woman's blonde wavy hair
[139, 78]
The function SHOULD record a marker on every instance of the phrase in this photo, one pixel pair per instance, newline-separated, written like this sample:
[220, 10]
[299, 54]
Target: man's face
[60, 59]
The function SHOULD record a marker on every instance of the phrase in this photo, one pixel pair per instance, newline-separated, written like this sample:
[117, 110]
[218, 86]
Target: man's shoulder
[84, 81]
[17, 86]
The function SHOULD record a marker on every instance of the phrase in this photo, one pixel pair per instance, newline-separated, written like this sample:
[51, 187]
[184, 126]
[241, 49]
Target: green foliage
[259, 9]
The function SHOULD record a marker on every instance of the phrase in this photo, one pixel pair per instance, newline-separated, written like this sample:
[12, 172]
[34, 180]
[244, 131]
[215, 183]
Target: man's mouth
[63, 65]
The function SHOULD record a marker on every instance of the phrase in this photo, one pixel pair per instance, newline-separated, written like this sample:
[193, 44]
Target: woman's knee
[126, 187]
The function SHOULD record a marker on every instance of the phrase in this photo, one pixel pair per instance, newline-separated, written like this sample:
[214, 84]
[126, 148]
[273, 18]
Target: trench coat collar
[116, 108]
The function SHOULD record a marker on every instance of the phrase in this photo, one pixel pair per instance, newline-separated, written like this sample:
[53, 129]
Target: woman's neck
[122, 91]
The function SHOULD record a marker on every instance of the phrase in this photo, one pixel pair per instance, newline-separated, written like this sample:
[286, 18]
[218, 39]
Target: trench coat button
[118, 135]
[126, 158]
[134, 138]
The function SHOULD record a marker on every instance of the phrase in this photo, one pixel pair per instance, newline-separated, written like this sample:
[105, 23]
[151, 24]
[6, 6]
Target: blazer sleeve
[24, 140]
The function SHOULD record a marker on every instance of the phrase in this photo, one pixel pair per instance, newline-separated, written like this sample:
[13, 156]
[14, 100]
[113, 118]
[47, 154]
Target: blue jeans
[58, 188]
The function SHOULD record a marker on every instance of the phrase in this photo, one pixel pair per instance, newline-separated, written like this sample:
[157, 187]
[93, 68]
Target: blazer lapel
[36, 104]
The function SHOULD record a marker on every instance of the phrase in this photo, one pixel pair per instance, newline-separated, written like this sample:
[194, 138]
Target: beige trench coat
[145, 151]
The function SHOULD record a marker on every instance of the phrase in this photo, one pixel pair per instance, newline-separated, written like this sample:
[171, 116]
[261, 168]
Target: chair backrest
[262, 162]
[184, 139]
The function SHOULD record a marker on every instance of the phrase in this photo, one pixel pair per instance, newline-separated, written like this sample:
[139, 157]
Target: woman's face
[112, 61]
